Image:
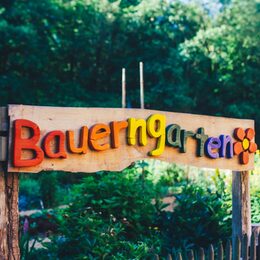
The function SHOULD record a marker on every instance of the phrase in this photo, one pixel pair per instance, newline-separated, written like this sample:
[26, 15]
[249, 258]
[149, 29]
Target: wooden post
[141, 70]
[9, 213]
[241, 209]
[123, 89]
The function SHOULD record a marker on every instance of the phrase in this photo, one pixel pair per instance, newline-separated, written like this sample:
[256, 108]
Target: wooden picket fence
[243, 250]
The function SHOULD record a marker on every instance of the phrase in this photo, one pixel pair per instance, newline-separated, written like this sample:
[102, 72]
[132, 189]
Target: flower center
[245, 144]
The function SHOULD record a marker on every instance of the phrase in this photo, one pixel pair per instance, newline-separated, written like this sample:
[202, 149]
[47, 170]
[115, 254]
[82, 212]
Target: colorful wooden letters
[165, 135]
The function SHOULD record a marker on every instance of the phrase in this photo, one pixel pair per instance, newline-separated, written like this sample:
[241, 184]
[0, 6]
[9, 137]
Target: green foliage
[67, 52]
[121, 216]
[171, 181]
[27, 249]
[255, 207]
[125, 196]
[29, 187]
[199, 218]
[29, 193]
[93, 237]
[70, 53]
[255, 193]
[224, 60]
[48, 188]
[110, 217]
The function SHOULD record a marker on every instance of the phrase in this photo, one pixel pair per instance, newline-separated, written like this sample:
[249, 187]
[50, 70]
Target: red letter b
[26, 144]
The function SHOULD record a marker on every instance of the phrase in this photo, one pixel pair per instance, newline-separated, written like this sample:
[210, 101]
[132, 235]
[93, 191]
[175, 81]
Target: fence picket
[190, 255]
[211, 252]
[237, 249]
[258, 247]
[253, 247]
[179, 257]
[201, 254]
[169, 257]
[241, 250]
[228, 250]
[244, 247]
[220, 251]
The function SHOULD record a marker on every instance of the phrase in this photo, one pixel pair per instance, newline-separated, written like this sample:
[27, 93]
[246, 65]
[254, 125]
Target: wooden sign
[95, 139]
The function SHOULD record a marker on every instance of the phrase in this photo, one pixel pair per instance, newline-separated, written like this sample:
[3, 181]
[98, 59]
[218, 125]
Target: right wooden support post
[241, 208]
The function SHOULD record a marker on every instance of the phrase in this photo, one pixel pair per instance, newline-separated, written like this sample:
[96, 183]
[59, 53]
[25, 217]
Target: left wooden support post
[9, 186]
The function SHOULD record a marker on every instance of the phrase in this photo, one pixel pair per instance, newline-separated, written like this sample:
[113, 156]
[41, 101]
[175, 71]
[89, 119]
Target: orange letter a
[26, 144]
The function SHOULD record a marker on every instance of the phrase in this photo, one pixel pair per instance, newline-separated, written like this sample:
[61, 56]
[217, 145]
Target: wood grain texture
[245, 247]
[3, 148]
[220, 252]
[9, 216]
[64, 119]
[3, 134]
[211, 252]
[12, 190]
[3, 206]
[3, 216]
[228, 250]
[241, 208]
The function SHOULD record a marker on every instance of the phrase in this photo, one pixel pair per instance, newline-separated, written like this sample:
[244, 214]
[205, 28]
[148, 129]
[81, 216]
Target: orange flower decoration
[245, 145]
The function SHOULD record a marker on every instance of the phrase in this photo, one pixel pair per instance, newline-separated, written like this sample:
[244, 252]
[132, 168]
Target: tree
[222, 62]
[70, 53]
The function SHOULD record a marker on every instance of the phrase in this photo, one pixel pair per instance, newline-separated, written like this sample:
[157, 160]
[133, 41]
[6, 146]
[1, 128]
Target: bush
[200, 217]
[111, 216]
[255, 194]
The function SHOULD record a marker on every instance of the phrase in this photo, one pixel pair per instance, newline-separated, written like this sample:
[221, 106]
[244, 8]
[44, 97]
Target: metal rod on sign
[141, 70]
[123, 89]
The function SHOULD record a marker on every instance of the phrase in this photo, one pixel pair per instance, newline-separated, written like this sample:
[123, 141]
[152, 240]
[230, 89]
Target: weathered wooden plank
[64, 119]
[201, 254]
[253, 247]
[4, 246]
[228, 250]
[169, 257]
[12, 190]
[256, 228]
[211, 252]
[258, 246]
[3, 148]
[241, 208]
[3, 134]
[179, 256]
[3, 119]
[9, 216]
[245, 247]
[191, 255]
[236, 249]
[220, 251]
[3, 217]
